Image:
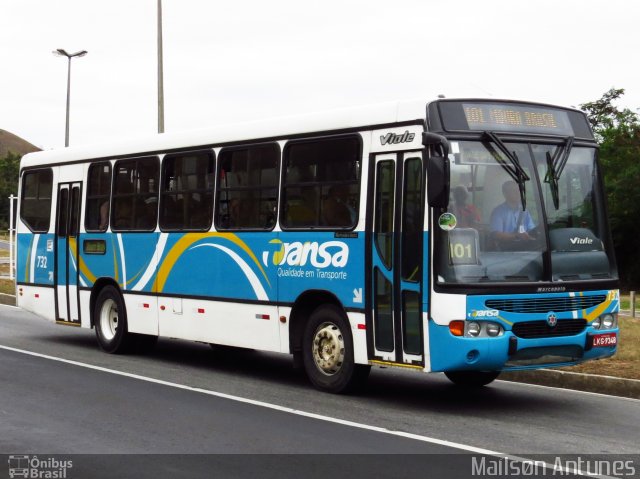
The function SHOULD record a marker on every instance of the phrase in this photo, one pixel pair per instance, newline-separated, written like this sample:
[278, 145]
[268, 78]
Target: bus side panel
[35, 274]
[224, 275]
[129, 261]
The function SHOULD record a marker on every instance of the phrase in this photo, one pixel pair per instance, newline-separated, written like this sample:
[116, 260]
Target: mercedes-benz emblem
[552, 319]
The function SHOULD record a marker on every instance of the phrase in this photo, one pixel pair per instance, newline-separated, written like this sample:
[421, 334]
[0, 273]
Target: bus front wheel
[110, 321]
[328, 352]
[471, 379]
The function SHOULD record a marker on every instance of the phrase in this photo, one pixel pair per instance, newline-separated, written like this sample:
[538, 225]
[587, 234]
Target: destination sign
[512, 117]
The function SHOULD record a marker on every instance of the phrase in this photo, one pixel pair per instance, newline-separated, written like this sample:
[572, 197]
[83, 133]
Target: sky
[229, 61]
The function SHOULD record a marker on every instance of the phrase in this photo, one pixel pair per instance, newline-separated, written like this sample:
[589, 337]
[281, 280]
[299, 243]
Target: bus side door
[66, 255]
[396, 258]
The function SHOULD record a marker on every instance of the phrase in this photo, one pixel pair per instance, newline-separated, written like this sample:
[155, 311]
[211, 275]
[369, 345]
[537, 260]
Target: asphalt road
[185, 398]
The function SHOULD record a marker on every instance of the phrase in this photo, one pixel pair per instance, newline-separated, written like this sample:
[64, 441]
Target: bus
[463, 236]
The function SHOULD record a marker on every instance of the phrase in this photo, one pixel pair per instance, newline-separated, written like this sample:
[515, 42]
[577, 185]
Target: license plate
[604, 340]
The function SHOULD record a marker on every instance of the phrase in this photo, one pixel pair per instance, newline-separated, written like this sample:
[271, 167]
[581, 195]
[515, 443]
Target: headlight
[608, 321]
[473, 329]
[493, 329]
[596, 323]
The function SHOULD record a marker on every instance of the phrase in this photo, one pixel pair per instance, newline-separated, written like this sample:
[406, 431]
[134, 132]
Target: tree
[618, 132]
[9, 170]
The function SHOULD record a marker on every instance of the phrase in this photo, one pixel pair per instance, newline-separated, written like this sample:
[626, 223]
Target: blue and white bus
[460, 236]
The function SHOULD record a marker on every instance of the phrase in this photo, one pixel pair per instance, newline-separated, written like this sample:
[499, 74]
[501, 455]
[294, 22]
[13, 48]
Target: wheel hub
[328, 348]
[109, 319]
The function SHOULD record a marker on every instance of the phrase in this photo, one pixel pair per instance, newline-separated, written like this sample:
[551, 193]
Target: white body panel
[37, 300]
[233, 324]
[142, 313]
[85, 308]
[359, 335]
[447, 307]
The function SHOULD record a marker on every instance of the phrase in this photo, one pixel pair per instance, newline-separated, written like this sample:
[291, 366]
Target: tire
[110, 322]
[327, 352]
[471, 379]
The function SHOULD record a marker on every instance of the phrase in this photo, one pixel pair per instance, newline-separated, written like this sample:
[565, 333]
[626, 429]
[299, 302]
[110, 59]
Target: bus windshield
[522, 212]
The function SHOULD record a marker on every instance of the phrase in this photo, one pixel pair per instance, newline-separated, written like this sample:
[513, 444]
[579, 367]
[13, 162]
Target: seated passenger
[467, 215]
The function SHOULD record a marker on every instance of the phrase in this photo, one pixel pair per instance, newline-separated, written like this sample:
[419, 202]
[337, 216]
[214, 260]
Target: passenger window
[98, 192]
[135, 195]
[35, 208]
[187, 191]
[248, 188]
[321, 187]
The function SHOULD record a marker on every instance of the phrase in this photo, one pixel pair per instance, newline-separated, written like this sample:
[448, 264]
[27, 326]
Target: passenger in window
[508, 221]
[104, 215]
[235, 213]
[301, 211]
[147, 214]
[467, 215]
[336, 208]
[123, 218]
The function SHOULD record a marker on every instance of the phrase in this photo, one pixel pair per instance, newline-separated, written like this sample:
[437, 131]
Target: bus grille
[545, 305]
[540, 329]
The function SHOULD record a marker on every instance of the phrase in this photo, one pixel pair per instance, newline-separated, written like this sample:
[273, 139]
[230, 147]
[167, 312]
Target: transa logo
[489, 313]
[319, 255]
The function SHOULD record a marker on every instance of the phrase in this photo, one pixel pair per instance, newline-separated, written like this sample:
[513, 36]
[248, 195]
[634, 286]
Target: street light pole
[160, 73]
[63, 53]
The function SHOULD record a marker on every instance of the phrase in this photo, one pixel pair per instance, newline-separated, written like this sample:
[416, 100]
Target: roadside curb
[8, 299]
[594, 383]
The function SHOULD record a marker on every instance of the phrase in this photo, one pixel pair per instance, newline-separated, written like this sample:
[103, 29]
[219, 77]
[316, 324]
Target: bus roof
[281, 127]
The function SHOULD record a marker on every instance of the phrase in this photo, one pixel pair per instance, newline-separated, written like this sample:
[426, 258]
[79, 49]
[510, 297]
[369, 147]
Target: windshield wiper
[514, 169]
[555, 166]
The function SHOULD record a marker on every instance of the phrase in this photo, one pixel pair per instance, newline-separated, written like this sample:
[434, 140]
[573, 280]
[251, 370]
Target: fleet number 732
[41, 262]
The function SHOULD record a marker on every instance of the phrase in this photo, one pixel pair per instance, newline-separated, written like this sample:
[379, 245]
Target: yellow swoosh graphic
[189, 239]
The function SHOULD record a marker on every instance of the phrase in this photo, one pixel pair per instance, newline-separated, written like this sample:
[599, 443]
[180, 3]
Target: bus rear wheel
[471, 379]
[328, 352]
[110, 321]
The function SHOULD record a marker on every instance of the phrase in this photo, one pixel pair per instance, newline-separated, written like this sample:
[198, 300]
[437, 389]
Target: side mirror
[437, 169]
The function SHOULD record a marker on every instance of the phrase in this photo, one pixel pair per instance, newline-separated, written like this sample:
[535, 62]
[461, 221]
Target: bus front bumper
[508, 352]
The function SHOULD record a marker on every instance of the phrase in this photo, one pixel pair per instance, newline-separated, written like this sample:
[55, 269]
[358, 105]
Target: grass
[7, 286]
[626, 362]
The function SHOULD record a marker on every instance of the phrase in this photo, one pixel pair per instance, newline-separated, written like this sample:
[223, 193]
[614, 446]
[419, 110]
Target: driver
[508, 221]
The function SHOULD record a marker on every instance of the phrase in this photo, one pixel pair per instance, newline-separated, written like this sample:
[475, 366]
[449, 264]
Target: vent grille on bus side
[540, 329]
[545, 305]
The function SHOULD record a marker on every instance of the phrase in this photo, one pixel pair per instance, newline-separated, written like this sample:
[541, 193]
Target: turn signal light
[457, 327]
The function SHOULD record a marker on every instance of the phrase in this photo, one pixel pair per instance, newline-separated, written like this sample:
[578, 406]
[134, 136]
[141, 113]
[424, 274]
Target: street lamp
[160, 73]
[62, 53]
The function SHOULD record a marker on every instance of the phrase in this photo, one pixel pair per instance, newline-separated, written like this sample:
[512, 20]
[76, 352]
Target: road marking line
[298, 412]
[267, 405]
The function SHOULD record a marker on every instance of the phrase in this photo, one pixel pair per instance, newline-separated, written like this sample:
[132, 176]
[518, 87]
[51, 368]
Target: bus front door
[396, 259]
[66, 256]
